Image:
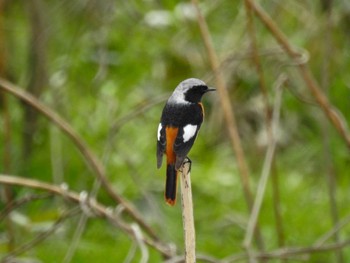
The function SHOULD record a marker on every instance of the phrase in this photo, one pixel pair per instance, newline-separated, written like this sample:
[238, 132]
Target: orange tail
[171, 184]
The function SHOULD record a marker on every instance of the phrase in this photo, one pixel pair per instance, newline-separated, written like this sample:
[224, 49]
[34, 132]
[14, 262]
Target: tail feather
[171, 184]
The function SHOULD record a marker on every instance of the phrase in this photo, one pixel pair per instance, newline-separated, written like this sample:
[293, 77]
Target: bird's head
[189, 91]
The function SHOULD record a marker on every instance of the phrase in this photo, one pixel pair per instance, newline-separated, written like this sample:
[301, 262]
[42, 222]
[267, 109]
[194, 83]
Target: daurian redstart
[178, 128]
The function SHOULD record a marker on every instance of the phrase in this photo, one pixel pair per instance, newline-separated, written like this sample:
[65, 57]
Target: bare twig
[228, 113]
[330, 172]
[267, 164]
[338, 226]
[114, 128]
[97, 208]
[19, 202]
[331, 112]
[40, 237]
[276, 197]
[79, 229]
[268, 121]
[139, 109]
[226, 104]
[140, 243]
[131, 253]
[256, 59]
[90, 157]
[6, 191]
[187, 213]
[288, 252]
[37, 69]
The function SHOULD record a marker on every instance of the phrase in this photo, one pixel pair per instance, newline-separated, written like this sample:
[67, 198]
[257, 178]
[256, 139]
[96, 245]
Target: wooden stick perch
[187, 213]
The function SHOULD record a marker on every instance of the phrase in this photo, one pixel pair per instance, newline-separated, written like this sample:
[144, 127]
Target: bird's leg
[187, 160]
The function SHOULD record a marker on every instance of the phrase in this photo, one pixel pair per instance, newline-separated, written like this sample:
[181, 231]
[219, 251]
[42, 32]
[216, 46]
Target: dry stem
[97, 208]
[90, 157]
[267, 165]
[228, 113]
[187, 213]
[331, 112]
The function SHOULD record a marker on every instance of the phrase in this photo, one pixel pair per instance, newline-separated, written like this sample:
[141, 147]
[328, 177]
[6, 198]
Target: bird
[180, 122]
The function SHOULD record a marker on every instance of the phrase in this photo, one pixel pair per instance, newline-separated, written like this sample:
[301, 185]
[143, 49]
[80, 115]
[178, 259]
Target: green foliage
[110, 63]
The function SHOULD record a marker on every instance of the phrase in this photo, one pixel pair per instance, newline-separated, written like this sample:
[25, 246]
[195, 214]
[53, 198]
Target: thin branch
[40, 237]
[140, 243]
[336, 228]
[302, 98]
[92, 160]
[268, 121]
[282, 253]
[79, 229]
[131, 253]
[288, 252]
[256, 59]
[113, 130]
[97, 208]
[37, 69]
[228, 112]
[19, 202]
[331, 112]
[7, 195]
[276, 197]
[187, 213]
[330, 172]
[7, 149]
[267, 164]
[226, 104]
[139, 109]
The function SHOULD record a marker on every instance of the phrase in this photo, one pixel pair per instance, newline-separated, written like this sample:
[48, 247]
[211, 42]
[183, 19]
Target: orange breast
[171, 133]
[201, 105]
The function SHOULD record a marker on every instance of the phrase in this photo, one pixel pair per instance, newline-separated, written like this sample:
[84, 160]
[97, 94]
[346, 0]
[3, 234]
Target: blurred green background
[107, 67]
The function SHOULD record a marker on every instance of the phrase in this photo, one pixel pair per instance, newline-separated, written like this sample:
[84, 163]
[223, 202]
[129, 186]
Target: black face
[195, 93]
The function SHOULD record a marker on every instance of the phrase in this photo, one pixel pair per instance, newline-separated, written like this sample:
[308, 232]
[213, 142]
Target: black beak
[210, 89]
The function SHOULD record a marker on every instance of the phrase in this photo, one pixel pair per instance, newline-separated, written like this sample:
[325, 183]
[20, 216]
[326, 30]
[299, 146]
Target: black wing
[182, 148]
[161, 143]
[179, 116]
[187, 134]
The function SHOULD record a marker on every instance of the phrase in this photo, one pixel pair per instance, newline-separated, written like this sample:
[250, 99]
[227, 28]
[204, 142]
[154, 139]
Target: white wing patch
[189, 132]
[159, 129]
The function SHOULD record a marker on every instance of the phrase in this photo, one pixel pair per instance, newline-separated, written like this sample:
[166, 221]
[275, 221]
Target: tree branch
[89, 156]
[40, 237]
[228, 113]
[267, 163]
[97, 208]
[331, 112]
